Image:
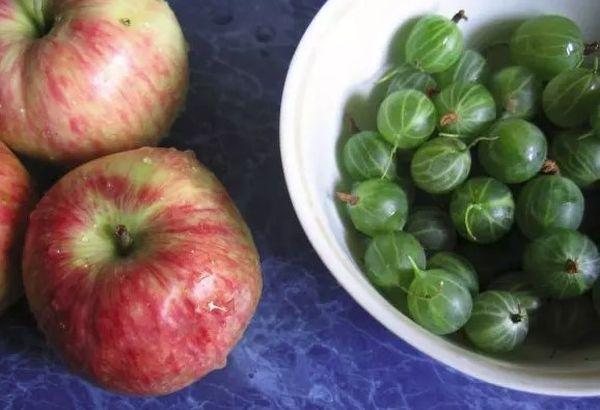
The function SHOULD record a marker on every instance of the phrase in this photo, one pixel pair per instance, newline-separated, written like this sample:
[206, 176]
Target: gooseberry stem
[591, 48]
[417, 271]
[478, 140]
[347, 198]
[550, 167]
[571, 267]
[467, 225]
[448, 135]
[124, 240]
[460, 16]
[387, 76]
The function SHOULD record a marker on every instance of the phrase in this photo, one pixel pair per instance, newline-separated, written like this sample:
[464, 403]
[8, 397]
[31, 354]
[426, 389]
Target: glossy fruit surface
[465, 109]
[434, 44]
[568, 321]
[518, 284]
[439, 302]
[406, 118]
[377, 206]
[82, 79]
[457, 265]
[547, 45]
[498, 322]
[140, 271]
[482, 210]
[577, 154]
[407, 77]
[517, 91]
[440, 165]
[562, 264]
[471, 67]
[570, 97]
[548, 202]
[16, 201]
[516, 154]
[432, 227]
[367, 155]
[388, 260]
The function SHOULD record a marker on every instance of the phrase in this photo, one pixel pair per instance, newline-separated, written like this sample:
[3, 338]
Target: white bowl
[346, 48]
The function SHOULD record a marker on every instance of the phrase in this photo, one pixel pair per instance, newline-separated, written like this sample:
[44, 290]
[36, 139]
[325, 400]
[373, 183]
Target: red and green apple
[83, 78]
[140, 271]
[16, 200]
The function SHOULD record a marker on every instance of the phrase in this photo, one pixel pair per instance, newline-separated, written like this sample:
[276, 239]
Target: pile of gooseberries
[438, 219]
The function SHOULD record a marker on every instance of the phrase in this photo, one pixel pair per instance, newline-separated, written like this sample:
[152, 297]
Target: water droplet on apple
[147, 160]
[22, 111]
[62, 326]
[84, 239]
[109, 185]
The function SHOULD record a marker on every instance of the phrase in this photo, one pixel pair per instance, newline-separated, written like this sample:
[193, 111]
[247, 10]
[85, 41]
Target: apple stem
[124, 239]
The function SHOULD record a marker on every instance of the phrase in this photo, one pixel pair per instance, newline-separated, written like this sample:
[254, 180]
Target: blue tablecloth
[310, 345]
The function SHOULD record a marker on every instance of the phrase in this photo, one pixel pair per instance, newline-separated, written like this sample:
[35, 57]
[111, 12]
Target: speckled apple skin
[160, 318]
[110, 75]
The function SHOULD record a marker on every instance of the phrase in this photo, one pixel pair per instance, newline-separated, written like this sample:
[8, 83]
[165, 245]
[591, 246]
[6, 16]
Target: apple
[16, 200]
[140, 271]
[80, 79]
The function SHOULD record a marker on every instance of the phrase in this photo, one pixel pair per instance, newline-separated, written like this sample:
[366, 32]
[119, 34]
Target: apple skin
[168, 311]
[16, 201]
[108, 76]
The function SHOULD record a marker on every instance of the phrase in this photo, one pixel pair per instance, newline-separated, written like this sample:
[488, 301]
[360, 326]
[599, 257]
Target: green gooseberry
[570, 97]
[366, 156]
[406, 77]
[440, 165]
[389, 258]
[406, 118]
[577, 154]
[435, 43]
[432, 227]
[376, 206]
[548, 45]
[568, 321]
[465, 109]
[562, 264]
[498, 323]
[518, 284]
[548, 202]
[482, 210]
[518, 93]
[438, 301]
[515, 152]
[471, 67]
[459, 266]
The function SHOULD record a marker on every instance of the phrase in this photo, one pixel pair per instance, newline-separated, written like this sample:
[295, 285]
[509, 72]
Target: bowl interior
[346, 49]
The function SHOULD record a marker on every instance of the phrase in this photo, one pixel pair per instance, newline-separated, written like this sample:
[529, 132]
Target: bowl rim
[497, 372]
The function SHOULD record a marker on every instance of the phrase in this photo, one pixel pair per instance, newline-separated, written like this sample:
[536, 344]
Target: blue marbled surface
[310, 345]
